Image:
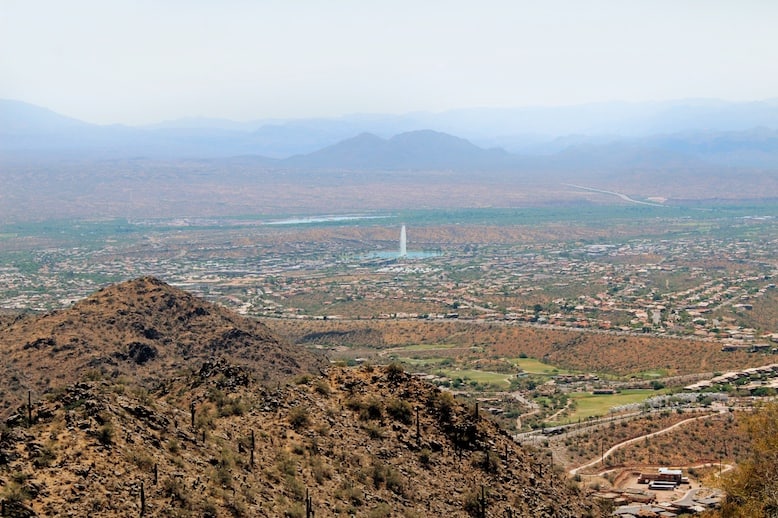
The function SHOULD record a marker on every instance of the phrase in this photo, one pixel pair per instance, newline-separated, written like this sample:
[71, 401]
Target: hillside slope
[143, 329]
[348, 440]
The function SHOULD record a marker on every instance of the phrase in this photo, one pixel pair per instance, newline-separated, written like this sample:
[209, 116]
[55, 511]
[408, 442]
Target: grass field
[533, 366]
[652, 374]
[424, 347]
[483, 377]
[591, 405]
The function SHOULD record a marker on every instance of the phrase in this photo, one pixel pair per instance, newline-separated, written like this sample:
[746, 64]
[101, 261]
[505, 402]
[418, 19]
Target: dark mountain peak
[140, 301]
[366, 137]
[139, 285]
[428, 135]
[415, 150]
[363, 140]
[140, 291]
[426, 141]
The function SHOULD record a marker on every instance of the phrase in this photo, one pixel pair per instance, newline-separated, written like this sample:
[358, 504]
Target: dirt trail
[622, 444]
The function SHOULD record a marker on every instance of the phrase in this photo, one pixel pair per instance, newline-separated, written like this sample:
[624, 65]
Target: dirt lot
[629, 479]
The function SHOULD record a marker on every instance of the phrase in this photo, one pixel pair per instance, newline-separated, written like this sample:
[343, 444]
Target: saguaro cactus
[308, 505]
[142, 500]
[252, 448]
[418, 427]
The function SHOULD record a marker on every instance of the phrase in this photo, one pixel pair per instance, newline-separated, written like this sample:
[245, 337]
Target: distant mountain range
[615, 135]
[423, 149]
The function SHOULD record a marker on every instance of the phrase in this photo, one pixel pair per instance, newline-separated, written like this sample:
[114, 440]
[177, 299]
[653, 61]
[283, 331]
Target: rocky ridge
[144, 329]
[356, 442]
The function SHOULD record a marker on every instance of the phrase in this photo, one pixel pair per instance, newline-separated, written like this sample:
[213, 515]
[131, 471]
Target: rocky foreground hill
[142, 329]
[212, 437]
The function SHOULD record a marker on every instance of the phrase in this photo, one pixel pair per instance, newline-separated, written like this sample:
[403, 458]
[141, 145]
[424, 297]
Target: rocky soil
[358, 442]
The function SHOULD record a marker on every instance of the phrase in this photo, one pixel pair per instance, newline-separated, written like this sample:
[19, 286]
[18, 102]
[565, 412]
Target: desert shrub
[223, 476]
[373, 431]
[322, 387]
[471, 501]
[383, 474]
[174, 489]
[45, 456]
[751, 488]
[443, 403]
[141, 459]
[295, 510]
[238, 508]
[173, 446]
[303, 379]
[233, 406]
[209, 510]
[489, 461]
[425, 456]
[400, 410]
[351, 494]
[299, 417]
[319, 471]
[20, 477]
[394, 371]
[216, 396]
[372, 409]
[14, 492]
[223, 473]
[377, 474]
[286, 464]
[143, 396]
[354, 403]
[93, 375]
[394, 481]
[380, 511]
[204, 416]
[105, 434]
[295, 487]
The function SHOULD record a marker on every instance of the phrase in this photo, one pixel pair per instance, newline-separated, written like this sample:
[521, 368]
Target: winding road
[618, 194]
[622, 444]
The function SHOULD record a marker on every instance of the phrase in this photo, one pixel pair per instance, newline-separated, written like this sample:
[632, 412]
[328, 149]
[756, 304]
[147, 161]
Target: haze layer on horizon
[142, 61]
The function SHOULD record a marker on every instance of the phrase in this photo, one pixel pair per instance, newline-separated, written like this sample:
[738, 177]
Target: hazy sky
[139, 61]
